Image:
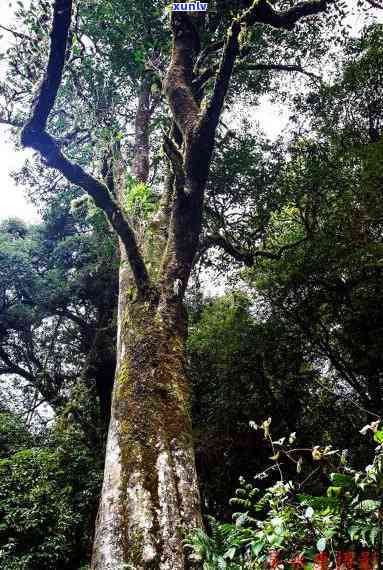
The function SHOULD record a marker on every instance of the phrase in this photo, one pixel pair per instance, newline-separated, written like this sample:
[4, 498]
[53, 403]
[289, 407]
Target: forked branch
[260, 11]
[34, 135]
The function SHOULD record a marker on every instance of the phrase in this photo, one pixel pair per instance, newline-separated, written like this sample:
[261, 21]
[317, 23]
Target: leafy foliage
[139, 202]
[58, 288]
[243, 364]
[285, 525]
[48, 497]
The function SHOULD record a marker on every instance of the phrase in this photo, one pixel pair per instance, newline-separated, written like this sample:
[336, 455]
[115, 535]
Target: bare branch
[242, 255]
[73, 135]
[16, 34]
[277, 67]
[10, 122]
[243, 66]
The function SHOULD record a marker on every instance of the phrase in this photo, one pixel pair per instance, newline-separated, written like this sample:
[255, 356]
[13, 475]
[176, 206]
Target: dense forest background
[291, 242]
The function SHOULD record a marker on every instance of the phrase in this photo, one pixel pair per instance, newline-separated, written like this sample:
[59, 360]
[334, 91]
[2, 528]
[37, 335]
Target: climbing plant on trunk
[150, 494]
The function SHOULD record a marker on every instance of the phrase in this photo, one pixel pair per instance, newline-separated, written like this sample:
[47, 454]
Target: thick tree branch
[163, 215]
[12, 368]
[260, 11]
[206, 52]
[35, 136]
[263, 12]
[47, 93]
[178, 80]
[222, 81]
[198, 154]
[198, 127]
[187, 193]
[140, 165]
[176, 160]
[62, 312]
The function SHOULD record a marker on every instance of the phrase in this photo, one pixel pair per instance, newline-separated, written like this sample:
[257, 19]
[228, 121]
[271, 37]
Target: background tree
[247, 366]
[58, 290]
[329, 288]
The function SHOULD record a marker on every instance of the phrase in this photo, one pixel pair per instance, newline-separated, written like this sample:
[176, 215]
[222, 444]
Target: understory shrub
[284, 526]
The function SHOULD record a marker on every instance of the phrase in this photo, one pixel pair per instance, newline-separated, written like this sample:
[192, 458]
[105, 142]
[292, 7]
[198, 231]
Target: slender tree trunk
[150, 493]
[100, 365]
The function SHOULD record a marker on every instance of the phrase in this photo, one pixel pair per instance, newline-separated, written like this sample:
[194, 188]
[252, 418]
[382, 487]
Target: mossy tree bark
[150, 495]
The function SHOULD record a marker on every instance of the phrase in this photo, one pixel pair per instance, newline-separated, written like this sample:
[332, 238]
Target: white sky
[12, 200]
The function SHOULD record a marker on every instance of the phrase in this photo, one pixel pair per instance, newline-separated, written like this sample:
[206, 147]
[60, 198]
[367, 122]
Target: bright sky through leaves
[272, 118]
[12, 200]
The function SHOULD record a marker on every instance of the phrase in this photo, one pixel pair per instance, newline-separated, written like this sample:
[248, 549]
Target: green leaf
[329, 532]
[368, 505]
[230, 553]
[378, 436]
[354, 532]
[257, 547]
[334, 492]
[341, 480]
[320, 504]
[373, 534]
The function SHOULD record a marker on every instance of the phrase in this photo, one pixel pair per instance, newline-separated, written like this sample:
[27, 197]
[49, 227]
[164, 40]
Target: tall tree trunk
[150, 494]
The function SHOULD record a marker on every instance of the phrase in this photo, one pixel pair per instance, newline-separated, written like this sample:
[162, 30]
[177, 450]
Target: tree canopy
[153, 178]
